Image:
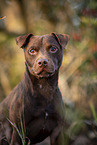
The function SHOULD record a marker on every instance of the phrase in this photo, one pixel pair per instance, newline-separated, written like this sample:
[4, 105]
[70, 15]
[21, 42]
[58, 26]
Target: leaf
[2, 17]
[93, 112]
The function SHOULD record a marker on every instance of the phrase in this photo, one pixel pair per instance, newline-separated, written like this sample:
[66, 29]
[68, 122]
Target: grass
[94, 125]
[20, 132]
[93, 112]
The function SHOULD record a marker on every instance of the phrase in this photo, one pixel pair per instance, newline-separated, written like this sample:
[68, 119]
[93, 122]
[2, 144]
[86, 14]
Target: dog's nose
[42, 62]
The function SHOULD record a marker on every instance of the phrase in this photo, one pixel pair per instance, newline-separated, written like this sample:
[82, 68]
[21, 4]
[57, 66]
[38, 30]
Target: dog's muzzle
[43, 68]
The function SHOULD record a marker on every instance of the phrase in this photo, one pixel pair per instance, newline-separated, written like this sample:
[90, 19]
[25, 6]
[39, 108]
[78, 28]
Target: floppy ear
[22, 41]
[62, 39]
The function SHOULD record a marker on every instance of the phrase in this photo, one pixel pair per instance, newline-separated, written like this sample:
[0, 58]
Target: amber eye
[53, 49]
[32, 51]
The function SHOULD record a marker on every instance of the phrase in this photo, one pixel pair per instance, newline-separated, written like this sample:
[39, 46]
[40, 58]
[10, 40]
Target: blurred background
[78, 73]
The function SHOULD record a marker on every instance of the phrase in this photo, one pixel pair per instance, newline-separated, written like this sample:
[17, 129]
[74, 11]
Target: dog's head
[44, 53]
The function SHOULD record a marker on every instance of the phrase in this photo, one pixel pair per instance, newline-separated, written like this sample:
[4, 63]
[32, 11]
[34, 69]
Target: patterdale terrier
[35, 104]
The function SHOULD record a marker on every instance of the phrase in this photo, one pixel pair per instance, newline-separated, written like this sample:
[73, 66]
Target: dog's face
[43, 54]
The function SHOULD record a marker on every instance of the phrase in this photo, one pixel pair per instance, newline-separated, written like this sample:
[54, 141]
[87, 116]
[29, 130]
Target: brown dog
[36, 101]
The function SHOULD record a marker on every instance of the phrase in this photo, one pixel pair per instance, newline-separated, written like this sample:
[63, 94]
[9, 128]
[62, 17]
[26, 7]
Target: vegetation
[78, 74]
[20, 132]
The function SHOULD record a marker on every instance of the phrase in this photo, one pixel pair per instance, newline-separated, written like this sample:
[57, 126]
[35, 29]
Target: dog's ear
[22, 41]
[62, 39]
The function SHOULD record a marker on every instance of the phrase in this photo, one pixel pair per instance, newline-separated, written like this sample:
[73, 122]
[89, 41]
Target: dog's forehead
[43, 40]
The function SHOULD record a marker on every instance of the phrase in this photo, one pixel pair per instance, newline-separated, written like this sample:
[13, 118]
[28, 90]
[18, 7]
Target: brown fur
[36, 100]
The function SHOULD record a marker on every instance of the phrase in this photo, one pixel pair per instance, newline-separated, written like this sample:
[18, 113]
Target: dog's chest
[40, 108]
[41, 118]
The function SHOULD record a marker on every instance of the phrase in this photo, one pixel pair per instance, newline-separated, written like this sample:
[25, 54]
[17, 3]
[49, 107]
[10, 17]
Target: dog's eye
[32, 51]
[53, 49]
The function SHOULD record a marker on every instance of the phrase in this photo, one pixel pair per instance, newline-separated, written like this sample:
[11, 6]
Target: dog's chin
[44, 74]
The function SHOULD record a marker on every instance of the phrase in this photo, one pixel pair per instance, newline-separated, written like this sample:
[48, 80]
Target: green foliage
[75, 120]
[93, 112]
[20, 132]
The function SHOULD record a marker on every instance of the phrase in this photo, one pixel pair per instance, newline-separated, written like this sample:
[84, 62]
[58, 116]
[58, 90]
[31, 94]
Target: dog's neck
[46, 86]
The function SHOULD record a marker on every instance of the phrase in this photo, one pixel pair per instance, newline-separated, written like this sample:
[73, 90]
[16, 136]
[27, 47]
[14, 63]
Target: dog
[35, 105]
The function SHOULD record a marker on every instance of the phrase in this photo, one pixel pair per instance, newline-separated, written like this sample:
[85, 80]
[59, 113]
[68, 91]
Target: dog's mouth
[44, 73]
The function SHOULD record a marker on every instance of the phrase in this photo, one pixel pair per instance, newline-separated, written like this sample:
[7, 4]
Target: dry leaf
[2, 17]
